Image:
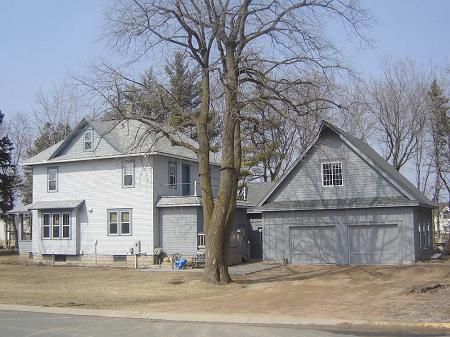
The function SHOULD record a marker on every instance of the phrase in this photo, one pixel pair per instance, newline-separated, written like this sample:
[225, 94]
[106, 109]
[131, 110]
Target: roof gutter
[143, 154]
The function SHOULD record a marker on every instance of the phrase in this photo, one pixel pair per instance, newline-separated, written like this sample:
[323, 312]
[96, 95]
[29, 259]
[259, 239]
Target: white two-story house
[114, 190]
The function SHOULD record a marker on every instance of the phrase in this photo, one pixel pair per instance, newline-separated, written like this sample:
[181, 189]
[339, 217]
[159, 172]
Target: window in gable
[332, 174]
[88, 140]
[128, 174]
[52, 179]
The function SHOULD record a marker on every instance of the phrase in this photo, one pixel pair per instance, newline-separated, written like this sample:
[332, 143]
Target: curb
[254, 319]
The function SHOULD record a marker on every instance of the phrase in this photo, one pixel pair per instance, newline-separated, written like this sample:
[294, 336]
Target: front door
[186, 179]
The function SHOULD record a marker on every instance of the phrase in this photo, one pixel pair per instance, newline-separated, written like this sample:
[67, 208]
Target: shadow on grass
[288, 273]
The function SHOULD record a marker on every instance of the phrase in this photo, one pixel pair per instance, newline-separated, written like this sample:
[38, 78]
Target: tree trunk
[218, 234]
[203, 153]
[224, 275]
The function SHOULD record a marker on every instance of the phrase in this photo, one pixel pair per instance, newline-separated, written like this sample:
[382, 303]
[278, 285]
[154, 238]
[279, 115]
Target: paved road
[29, 324]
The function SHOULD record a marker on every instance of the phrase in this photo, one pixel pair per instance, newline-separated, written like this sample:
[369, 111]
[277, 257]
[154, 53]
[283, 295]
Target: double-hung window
[52, 179]
[172, 169]
[128, 174]
[46, 226]
[332, 174]
[119, 222]
[66, 225]
[88, 135]
[56, 225]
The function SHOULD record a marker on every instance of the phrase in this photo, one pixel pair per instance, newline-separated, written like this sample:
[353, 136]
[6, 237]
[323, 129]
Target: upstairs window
[332, 174]
[128, 174]
[52, 179]
[172, 174]
[88, 140]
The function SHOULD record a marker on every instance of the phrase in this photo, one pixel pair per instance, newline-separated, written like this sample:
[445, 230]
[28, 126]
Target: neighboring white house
[95, 193]
[443, 219]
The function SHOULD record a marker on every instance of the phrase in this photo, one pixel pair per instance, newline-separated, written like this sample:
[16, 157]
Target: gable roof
[256, 191]
[370, 156]
[127, 138]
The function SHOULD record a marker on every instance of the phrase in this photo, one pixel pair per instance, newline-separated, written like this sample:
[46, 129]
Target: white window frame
[124, 175]
[119, 212]
[420, 229]
[172, 164]
[332, 173]
[56, 226]
[49, 225]
[60, 226]
[66, 225]
[89, 141]
[52, 180]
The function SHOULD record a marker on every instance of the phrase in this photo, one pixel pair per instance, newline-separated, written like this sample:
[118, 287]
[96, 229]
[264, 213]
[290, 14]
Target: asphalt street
[30, 324]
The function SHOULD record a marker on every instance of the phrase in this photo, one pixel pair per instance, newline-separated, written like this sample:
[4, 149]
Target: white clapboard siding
[75, 149]
[99, 183]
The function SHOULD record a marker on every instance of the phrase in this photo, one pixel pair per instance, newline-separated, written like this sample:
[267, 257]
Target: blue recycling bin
[180, 263]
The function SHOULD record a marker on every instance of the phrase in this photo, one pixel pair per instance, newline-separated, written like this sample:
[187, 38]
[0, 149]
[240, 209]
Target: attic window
[332, 174]
[88, 140]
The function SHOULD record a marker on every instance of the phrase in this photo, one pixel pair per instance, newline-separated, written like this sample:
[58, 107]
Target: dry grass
[347, 292]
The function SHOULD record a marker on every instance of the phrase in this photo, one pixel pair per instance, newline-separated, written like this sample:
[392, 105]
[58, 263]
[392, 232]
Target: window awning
[59, 204]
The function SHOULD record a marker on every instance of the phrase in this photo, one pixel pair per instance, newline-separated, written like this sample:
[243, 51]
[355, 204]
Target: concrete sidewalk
[246, 318]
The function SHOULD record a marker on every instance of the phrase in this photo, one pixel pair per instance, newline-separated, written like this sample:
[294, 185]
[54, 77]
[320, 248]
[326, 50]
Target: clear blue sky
[41, 41]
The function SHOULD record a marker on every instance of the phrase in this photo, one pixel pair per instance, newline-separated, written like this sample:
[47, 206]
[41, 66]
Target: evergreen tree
[440, 132]
[7, 174]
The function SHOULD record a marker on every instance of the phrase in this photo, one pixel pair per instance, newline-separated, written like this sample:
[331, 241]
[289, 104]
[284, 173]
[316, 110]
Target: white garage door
[315, 244]
[374, 244]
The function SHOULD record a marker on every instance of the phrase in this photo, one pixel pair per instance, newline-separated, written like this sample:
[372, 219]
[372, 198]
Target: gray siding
[277, 226]
[360, 180]
[424, 244]
[179, 230]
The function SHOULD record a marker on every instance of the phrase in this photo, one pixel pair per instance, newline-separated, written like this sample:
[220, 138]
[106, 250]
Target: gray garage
[312, 244]
[340, 202]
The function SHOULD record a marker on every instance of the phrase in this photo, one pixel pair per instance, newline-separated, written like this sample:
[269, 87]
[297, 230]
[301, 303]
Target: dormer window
[332, 174]
[88, 140]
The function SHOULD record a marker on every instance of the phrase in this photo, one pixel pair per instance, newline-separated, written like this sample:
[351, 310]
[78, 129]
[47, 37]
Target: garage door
[313, 244]
[374, 244]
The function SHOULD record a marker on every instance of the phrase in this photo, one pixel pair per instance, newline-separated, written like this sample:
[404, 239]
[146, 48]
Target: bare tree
[62, 105]
[257, 52]
[398, 102]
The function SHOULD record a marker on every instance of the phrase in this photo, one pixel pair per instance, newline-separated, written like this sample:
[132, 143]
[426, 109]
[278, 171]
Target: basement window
[119, 258]
[332, 174]
[60, 258]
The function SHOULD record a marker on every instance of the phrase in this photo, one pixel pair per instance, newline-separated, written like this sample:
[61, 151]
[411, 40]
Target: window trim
[49, 237]
[69, 225]
[57, 226]
[173, 164]
[133, 175]
[60, 213]
[56, 179]
[331, 163]
[88, 131]
[119, 212]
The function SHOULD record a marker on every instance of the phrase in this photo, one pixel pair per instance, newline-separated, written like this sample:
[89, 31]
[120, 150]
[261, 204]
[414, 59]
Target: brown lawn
[340, 292]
